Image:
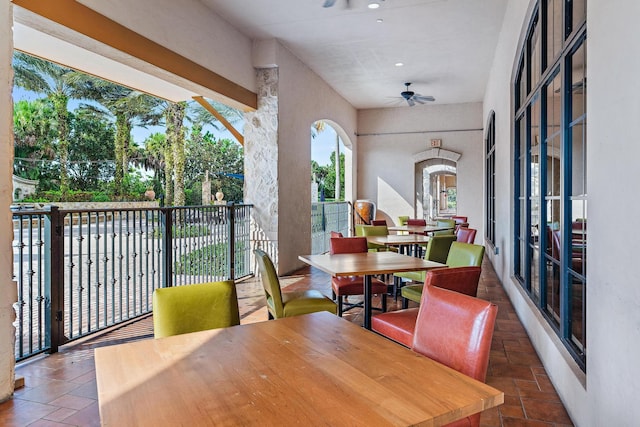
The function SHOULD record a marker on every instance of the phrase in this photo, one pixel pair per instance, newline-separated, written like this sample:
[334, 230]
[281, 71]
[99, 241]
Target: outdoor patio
[60, 389]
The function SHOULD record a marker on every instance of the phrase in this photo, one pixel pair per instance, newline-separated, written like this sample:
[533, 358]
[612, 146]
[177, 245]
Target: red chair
[353, 285]
[456, 330]
[459, 219]
[336, 234]
[418, 222]
[399, 325]
[379, 222]
[466, 235]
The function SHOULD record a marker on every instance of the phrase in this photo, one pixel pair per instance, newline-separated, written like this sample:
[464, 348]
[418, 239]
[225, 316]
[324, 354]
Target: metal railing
[79, 272]
[325, 218]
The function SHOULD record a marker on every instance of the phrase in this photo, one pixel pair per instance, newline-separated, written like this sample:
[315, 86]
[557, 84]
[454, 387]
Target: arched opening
[331, 183]
[439, 188]
[436, 181]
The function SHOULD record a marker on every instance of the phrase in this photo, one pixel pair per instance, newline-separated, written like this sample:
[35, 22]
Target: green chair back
[465, 254]
[286, 304]
[402, 220]
[270, 283]
[375, 230]
[191, 308]
[438, 248]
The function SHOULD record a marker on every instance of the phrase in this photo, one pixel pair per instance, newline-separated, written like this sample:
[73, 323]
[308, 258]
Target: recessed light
[373, 5]
[379, 20]
[399, 64]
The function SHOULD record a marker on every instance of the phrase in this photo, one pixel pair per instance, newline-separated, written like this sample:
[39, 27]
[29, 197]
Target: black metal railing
[325, 218]
[80, 271]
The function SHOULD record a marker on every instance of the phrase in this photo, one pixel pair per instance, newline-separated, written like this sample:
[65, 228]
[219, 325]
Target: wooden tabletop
[367, 264]
[418, 229]
[399, 239]
[316, 369]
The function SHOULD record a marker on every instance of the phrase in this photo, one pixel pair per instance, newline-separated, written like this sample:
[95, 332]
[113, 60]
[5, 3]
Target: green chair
[191, 308]
[441, 222]
[286, 304]
[373, 230]
[402, 220]
[460, 255]
[437, 250]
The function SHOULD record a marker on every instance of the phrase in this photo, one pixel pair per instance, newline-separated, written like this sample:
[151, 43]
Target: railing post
[167, 240]
[231, 232]
[54, 279]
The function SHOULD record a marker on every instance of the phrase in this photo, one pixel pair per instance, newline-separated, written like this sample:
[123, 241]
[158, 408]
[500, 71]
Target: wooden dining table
[315, 369]
[402, 241]
[418, 229]
[367, 264]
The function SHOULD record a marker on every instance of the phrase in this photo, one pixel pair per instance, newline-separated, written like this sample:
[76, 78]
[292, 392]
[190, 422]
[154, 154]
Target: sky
[321, 147]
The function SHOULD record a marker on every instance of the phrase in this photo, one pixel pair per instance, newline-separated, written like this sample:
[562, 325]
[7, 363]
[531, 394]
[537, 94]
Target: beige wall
[390, 137]
[607, 394]
[7, 286]
[303, 98]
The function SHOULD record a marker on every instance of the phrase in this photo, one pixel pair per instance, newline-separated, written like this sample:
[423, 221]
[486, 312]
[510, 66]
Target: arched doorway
[436, 178]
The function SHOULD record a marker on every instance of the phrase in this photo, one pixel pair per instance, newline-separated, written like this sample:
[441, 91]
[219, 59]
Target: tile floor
[60, 389]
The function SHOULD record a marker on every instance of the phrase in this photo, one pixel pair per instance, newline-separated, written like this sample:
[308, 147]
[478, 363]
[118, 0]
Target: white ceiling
[446, 46]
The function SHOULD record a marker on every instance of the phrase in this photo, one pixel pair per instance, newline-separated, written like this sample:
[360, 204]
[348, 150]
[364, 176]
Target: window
[550, 191]
[490, 179]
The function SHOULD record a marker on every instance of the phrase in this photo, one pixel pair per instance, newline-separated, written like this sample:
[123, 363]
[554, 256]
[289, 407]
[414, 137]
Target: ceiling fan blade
[418, 100]
[329, 3]
[418, 97]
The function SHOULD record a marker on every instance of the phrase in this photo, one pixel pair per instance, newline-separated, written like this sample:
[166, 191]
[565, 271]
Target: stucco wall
[607, 394]
[303, 98]
[390, 137]
[7, 286]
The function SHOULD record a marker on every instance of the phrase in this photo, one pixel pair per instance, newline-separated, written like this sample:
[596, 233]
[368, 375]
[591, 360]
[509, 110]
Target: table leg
[367, 301]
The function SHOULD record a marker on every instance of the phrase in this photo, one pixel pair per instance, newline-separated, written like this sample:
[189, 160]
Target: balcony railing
[79, 272]
[325, 218]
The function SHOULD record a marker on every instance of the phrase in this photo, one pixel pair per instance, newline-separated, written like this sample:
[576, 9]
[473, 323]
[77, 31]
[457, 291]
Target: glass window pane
[552, 289]
[554, 106]
[578, 161]
[535, 276]
[578, 83]
[578, 314]
[535, 46]
[555, 36]
[579, 13]
[553, 167]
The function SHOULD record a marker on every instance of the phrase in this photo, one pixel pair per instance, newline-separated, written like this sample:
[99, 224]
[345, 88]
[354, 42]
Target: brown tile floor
[60, 389]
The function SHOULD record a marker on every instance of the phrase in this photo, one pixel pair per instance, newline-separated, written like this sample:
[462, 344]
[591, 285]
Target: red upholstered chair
[336, 234]
[466, 235]
[459, 219]
[456, 330]
[400, 325]
[379, 222]
[353, 285]
[418, 222]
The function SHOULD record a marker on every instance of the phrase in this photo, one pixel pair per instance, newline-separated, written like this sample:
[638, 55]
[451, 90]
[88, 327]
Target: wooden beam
[90, 23]
[200, 100]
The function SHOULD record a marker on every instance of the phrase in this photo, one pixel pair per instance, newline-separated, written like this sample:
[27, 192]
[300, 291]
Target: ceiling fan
[371, 4]
[411, 97]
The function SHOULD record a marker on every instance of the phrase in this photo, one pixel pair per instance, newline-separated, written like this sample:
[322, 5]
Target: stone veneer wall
[261, 162]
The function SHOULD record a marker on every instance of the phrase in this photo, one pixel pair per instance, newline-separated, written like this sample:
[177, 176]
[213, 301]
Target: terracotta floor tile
[87, 417]
[47, 423]
[523, 358]
[48, 392]
[513, 411]
[18, 412]
[72, 402]
[60, 414]
[545, 411]
[521, 422]
[514, 371]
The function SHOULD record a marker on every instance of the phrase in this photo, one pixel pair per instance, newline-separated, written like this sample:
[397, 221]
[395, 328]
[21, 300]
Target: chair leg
[397, 281]
[384, 302]
[340, 306]
[405, 303]
[270, 315]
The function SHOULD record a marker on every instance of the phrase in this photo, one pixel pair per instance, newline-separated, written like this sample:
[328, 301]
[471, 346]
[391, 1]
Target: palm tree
[174, 117]
[52, 80]
[33, 134]
[128, 107]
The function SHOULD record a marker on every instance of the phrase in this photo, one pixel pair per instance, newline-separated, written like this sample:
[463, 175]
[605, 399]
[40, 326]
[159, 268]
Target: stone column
[206, 190]
[8, 291]
[261, 162]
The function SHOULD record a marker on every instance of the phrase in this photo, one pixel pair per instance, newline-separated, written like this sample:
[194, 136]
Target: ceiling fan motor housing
[407, 94]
